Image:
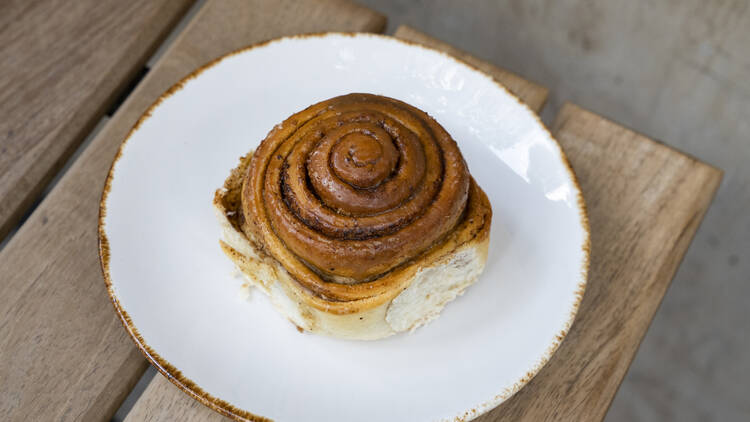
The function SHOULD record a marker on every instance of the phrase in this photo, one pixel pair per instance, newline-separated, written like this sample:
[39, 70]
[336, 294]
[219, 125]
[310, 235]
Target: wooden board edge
[570, 110]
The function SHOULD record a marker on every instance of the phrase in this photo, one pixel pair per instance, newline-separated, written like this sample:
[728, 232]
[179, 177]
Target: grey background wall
[675, 70]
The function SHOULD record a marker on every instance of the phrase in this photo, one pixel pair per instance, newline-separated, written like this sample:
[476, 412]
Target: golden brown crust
[471, 232]
[349, 188]
[473, 228]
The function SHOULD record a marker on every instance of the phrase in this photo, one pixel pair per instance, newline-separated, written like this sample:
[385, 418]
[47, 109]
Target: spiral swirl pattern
[350, 188]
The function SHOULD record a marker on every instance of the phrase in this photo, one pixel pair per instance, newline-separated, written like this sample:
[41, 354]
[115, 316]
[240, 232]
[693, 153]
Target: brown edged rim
[227, 409]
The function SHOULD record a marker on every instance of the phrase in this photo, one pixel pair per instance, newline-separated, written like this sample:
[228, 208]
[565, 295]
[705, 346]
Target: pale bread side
[430, 288]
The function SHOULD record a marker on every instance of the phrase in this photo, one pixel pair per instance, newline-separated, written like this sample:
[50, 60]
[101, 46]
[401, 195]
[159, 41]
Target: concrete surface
[678, 71]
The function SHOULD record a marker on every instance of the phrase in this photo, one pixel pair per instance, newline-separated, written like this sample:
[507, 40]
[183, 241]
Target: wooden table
[64, 354]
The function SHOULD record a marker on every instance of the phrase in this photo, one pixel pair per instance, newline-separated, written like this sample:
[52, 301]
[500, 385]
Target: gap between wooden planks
[72, 194]
[64, 354]
[62, 67]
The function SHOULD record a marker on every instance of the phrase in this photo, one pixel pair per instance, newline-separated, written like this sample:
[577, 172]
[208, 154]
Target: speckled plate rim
[225, 408]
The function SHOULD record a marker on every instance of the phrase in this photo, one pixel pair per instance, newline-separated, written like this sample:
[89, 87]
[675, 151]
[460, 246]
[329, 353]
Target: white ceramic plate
[176, 294]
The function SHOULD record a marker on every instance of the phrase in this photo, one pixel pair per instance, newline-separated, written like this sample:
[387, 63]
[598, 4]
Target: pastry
[357, 217]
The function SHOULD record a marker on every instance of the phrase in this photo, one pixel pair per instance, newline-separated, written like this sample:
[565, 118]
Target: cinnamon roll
[357, 216]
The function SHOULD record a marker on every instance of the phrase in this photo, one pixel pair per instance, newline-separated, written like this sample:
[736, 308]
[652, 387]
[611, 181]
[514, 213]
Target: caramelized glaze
[352, 187]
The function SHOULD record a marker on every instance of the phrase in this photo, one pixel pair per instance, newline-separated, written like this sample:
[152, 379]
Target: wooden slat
[645, 202]
[162, 401]
[531, 93]
[63, 64]
[63, 353]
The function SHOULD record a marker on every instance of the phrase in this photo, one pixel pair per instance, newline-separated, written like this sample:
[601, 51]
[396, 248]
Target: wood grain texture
[645, 202]
[162, 401]
[534, 95]
[63, 64]
[63, 353]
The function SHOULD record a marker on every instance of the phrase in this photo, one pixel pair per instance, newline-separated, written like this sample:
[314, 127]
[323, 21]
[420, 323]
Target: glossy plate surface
[177, 295]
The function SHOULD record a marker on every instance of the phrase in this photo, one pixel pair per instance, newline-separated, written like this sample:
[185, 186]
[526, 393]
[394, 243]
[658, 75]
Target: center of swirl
[364, 159]
[353, 187]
